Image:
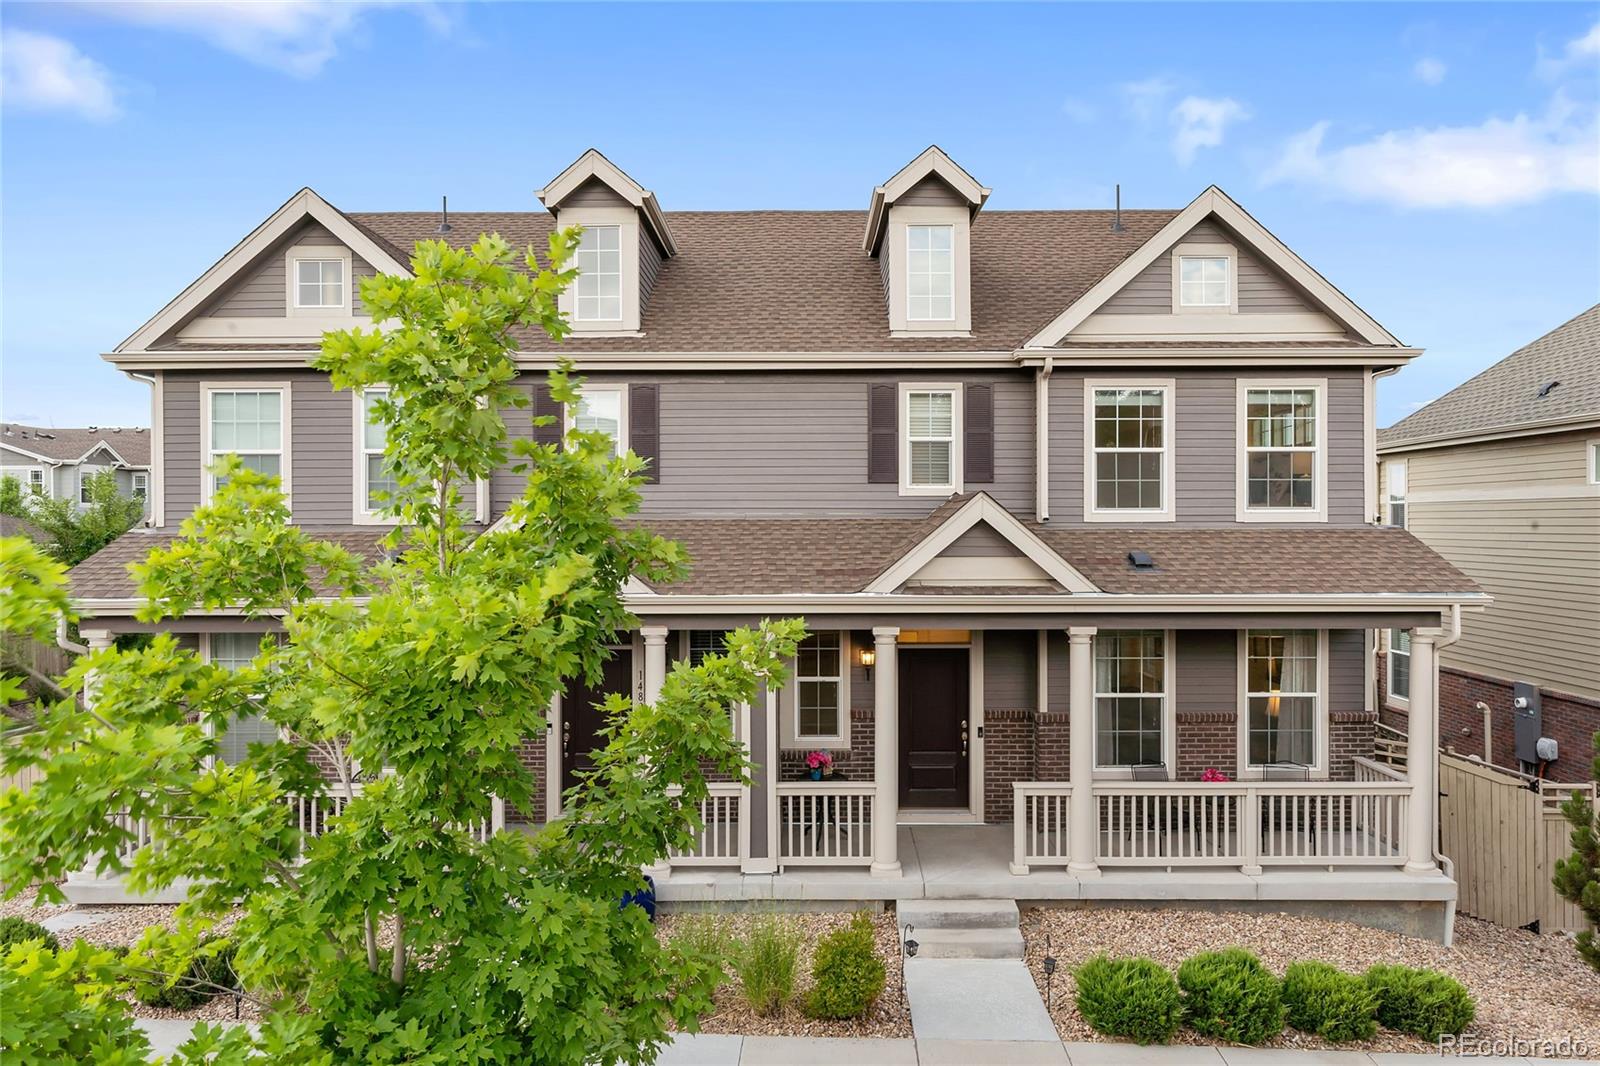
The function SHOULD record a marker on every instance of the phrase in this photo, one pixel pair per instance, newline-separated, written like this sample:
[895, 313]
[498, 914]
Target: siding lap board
[1262, 290]
[262, 290]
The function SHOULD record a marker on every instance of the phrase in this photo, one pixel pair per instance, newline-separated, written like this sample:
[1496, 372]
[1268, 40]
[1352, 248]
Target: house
[58, 462]
[1076, 503]
[1501, 476]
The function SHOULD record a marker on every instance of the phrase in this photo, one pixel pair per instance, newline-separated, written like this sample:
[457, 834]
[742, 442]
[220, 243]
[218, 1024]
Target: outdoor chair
[1290, 771]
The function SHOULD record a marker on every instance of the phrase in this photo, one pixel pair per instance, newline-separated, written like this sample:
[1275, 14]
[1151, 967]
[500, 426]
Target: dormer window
[930, 274]
[599, 286]
[1204, 278]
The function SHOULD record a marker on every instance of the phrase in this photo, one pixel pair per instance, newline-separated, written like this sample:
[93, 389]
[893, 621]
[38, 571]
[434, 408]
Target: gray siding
[1262, 290]
[1206, 671]
[931, 191]
[649, 268]
[1058, 661]
[1206, 445]
[594, 193]
[1347, 669]
[262, 289]
[1010, 670]
[982, 541]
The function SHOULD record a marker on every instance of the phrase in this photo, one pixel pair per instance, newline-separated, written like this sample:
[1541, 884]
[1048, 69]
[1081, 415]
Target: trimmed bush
[1133, 998]
[197, 985]
[1425, 1003]
[1228, 995]
[1337, 1006]
[14, 929]
[766, 963]
[846, 976]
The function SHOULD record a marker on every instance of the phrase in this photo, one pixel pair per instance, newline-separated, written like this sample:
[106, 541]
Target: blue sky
[1439, 163]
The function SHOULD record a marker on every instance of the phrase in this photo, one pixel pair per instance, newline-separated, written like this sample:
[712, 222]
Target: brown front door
[581, 718]
[933, 727]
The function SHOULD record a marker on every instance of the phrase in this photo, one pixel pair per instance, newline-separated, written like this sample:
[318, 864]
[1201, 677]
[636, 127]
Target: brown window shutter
[883, 435]
[977, 442]
[545, 404]
[644, 428]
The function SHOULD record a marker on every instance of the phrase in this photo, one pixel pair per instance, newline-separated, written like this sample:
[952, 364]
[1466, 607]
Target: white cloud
[296, 37]
[1078, 110]
[1144, 99]
[1429, 71]
[43, 73]
[1201, 123]
[1497, 163]
[1578, 51]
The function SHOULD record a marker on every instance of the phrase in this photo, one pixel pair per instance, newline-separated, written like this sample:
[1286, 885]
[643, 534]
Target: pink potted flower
[820, 763]
[1214, 776]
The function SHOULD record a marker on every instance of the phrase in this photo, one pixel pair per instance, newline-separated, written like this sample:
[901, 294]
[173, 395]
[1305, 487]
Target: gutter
[1041, 440]
[1526, 429]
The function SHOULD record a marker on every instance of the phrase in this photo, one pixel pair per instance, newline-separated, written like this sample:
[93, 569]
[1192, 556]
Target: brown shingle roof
[70, 445]
[733, 286]
[1506, 396]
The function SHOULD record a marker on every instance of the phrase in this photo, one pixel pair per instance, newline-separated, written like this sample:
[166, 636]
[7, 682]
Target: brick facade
[1207, 739]
[856, 764]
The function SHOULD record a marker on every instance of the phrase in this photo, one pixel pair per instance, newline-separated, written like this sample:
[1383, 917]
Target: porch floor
[973, 862]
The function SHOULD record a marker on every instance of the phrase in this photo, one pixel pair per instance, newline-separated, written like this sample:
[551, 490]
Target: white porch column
[655, 661]
[97, 640]
[1080, 722]
[1422, 744]
[886, 753]
[553, 759]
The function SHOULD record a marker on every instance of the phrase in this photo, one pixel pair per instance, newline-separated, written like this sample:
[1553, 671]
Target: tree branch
[397, 969]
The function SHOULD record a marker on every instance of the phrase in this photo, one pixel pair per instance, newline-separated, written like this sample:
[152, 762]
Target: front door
[582, 719]
[933, 727]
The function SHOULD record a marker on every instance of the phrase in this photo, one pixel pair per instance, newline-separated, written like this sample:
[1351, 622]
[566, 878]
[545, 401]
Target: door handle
[963, 738]
[566, 738]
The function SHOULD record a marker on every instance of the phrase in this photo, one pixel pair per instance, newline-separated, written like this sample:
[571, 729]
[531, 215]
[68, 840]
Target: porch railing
[825, 823]
[1242, 825]
[721, 840]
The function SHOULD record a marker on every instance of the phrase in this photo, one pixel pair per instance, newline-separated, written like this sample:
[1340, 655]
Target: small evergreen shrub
[1337, 1006]
[846, 976]
[1228, 995]
[1425, 1003]
[766, 963]
[14, 929]
[1133, 998]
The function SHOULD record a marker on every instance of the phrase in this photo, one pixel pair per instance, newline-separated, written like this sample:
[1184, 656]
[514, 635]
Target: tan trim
[626, 222]
[303, 325]
[359, 514]
[1202, 250]
[591, 164]
[1243, 512]
[285, 391]
[1529, 429]
[934, 161]
[957, 437]
[1369, 451]
[1168, 511]
[957, 220]
[1041, 440]
[321, 253]
[980, 570]
[1217, 324]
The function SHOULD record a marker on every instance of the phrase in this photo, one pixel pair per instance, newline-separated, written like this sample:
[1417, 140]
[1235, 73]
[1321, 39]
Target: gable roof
[129, 444]
[591, 165]
[1261, 240]
[1505, 397]
[933, 162]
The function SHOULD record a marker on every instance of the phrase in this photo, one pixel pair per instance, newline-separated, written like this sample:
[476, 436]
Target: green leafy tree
[1577, 877]
[402, 932]
[76, 532]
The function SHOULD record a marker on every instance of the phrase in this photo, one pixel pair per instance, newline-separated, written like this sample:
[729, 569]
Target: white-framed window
[598, 291]
[37, 481]
[1283, 681]
[1130, 699]
[930, 439]
[698, 643]
[602, 409]
[141, 485]
[234, 651]
[1394, 476]
[930, 273]
[374, 480]
[1594, 462]
[319, 283]
[819, 692]
[1399, 665]
[251, 422]
[1205, 278]
[85, 473]
[1129, 441]
[1283, 461]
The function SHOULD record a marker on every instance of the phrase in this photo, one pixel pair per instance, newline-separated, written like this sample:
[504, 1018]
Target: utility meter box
[1528, 721]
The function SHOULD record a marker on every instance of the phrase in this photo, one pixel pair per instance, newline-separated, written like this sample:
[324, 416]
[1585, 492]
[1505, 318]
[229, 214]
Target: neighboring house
[1077, 504]
[57, 462]
[1501, 476]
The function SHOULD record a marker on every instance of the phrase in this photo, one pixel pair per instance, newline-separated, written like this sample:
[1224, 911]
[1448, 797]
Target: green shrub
[846, 976]
[14, 929]
[1335, 1005]
[702, 935]
[1133, 998]
[198, 984]
[1425, 1003]
[1230, 996]
[766, 963]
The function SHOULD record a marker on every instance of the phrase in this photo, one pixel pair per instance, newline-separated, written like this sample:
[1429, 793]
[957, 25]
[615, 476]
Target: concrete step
[957, 914]
[948, 943]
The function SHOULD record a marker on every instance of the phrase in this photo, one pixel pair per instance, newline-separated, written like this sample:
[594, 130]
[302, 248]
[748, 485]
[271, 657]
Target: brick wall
[1350, 734]
[855, 764]
[1008, 756]
[1207, 739]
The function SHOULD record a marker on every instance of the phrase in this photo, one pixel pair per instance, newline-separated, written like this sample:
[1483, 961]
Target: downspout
[153, 489]
[1041, 439]
[63, 643]
[1371, 480]
[1452, 634]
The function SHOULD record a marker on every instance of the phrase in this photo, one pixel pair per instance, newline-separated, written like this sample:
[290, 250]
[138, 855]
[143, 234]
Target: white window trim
[626, 220]
[906, 249]
[1592, 446]
[1389, 498]
[1319, 768]
[792, 739]
[208, 485]
[299, 252]
[568, 412]
[1402, 703]
[1243, 512]
[44, 479]
[206, 657]
[1167, 512]
[896, 241]
[85, 472]
[957, 429]
[135, 478]
[1169, 710]
[1208, 251]
[360, 514]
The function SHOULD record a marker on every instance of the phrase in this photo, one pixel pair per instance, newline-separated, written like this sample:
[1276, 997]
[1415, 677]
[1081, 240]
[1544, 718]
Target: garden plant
[1133, 998]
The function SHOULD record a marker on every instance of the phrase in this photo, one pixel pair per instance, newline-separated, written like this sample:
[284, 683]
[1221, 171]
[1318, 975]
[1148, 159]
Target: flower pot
[816, 775]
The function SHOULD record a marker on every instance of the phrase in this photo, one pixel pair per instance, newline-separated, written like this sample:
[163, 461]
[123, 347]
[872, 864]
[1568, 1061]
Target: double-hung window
[1394, 472]
[930, 274]
[1130, 698]
[1282, 689]
[819, 689]
[86, 476]
[1283, 464]
[1130, 444]
[375, 481]
[597, 293]
[603, 410]
[319, 284]
[1399, 664]
[36, 480]
[141, 485]
[235, 651]
[930, 456]
[251, 424]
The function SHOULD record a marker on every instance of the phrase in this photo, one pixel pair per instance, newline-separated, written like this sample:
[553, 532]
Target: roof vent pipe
[1116, 222]
[444, 214]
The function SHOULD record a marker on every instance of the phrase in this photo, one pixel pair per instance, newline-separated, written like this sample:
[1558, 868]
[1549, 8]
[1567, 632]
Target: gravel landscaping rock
[1526, 986]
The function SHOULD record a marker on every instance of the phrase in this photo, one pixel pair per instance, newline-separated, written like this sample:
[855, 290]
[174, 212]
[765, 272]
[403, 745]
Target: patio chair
[1143, 820]
[1290, 771]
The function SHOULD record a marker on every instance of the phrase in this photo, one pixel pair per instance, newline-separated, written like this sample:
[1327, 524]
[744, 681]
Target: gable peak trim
[593, 164]
[931, 161]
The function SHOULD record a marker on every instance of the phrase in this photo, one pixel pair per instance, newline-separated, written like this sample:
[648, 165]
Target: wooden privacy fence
[1505, 838]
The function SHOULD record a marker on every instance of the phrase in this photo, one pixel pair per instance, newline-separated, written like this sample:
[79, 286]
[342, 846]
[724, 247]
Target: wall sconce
[866, 657]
